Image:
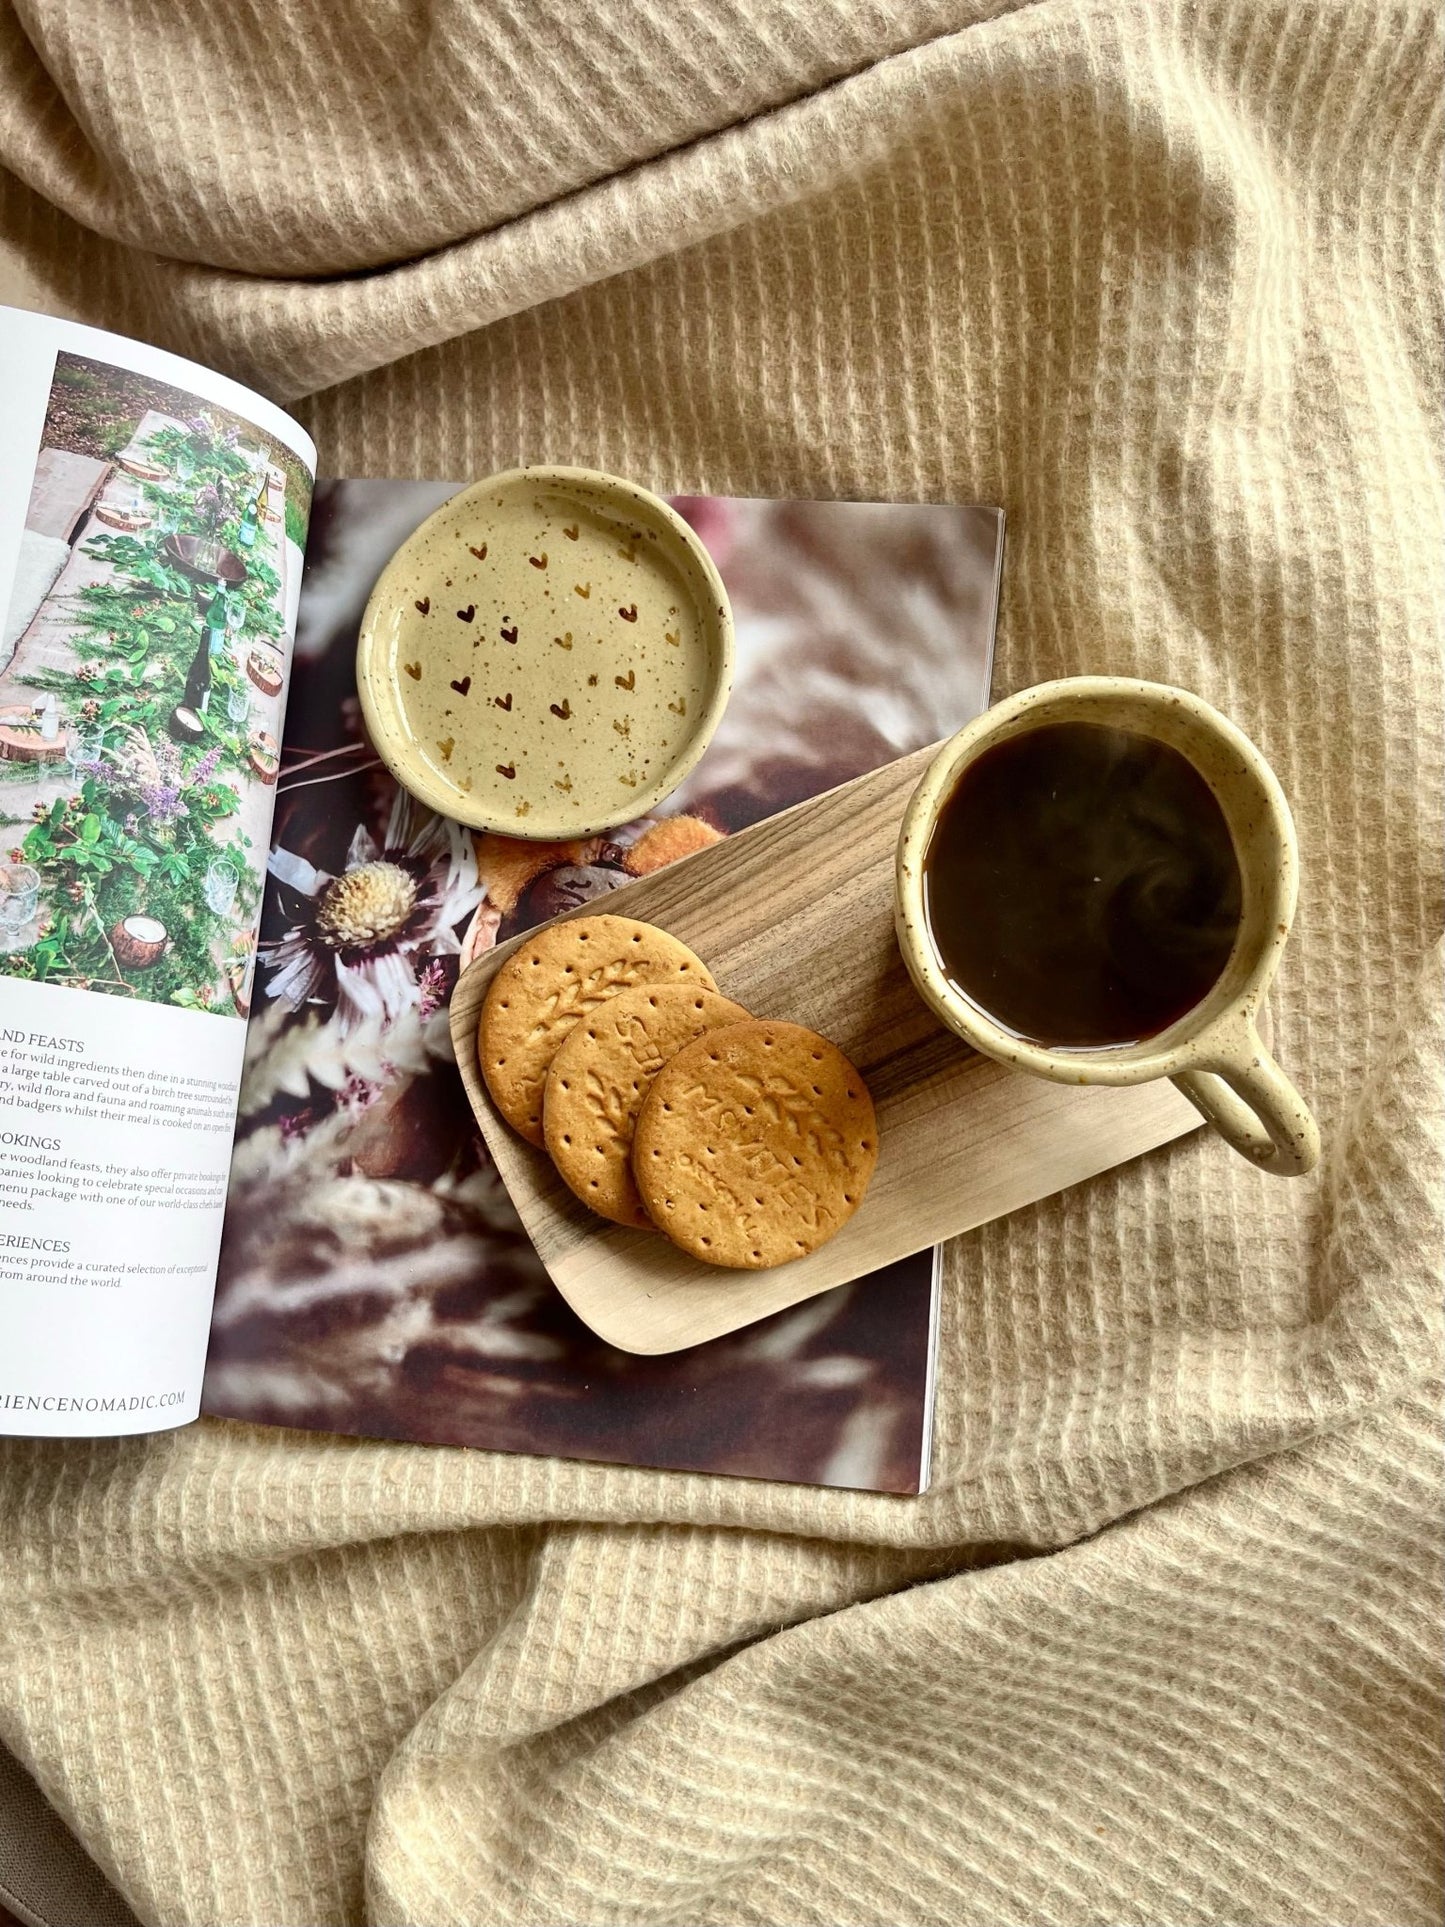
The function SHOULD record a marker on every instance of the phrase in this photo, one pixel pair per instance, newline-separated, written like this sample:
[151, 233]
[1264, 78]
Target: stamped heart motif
[565, 785]
[572, 533]
[524, 809]
[423, 605]
[584, 589]
[562, 709]
[630, 781]
[624, 727]
[563, 642]
[679, 708]
[538, 561]
[509, 635]
[413, 669]
[503, 702]
[463, 686]
[447, 747]
[629, 681]
[465, 615]
[672, 636]
[509, 770]
[629, 554]
[481, 553]
[629, 614]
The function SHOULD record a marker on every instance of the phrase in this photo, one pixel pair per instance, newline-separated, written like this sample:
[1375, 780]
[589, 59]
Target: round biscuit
[601, 1074]
[555, 976]
[755, 1144]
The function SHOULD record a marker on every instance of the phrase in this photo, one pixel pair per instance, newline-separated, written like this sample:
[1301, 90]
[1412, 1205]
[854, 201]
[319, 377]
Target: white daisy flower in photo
[364, 938]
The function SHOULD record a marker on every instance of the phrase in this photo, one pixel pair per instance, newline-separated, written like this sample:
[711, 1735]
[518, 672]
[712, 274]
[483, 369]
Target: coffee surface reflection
[1081, 885]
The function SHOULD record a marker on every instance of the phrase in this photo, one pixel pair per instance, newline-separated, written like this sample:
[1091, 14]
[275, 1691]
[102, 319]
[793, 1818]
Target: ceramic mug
[1213, 1053]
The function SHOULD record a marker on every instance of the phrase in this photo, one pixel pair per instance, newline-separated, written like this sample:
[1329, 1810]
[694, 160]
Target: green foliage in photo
[145, 834]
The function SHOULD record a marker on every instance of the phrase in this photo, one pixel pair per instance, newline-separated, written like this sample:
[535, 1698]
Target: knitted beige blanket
[1161, 1645]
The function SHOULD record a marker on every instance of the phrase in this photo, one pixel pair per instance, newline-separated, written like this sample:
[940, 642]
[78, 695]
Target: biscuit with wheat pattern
[554, 978]
[600, 1076]
[755, 1144]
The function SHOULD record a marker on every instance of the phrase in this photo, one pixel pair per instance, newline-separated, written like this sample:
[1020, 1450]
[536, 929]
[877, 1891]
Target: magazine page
[374, 1276]
[153, 518]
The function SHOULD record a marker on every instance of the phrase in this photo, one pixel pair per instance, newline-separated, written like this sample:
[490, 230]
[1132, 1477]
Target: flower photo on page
[374, 1275]
[361, 940]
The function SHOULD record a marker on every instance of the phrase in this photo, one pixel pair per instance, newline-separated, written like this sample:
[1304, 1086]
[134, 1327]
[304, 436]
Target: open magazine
[238, 1172]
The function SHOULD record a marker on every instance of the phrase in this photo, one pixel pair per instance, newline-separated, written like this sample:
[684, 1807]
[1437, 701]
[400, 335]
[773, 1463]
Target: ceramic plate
[548, 655]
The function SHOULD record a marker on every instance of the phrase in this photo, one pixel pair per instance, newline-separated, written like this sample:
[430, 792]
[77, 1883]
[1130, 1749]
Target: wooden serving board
[794, 917]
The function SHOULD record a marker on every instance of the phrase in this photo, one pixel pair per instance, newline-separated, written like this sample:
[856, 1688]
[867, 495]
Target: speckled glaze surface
[548, 655]
[1214, 1053]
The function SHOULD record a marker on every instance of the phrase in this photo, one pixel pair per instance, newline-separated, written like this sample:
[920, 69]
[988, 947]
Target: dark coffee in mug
[1081, 886]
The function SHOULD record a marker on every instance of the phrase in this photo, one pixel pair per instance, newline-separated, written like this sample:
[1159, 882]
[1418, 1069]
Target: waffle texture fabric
[1161, 1645]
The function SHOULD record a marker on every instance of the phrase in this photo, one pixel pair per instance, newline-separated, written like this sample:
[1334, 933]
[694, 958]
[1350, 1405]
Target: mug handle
[1254, 1107]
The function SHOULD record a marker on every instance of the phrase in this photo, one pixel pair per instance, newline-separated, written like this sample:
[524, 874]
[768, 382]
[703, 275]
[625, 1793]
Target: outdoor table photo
[139, 698]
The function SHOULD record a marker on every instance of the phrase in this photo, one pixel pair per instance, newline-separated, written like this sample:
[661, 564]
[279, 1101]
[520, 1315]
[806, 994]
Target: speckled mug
[1213, 1053]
